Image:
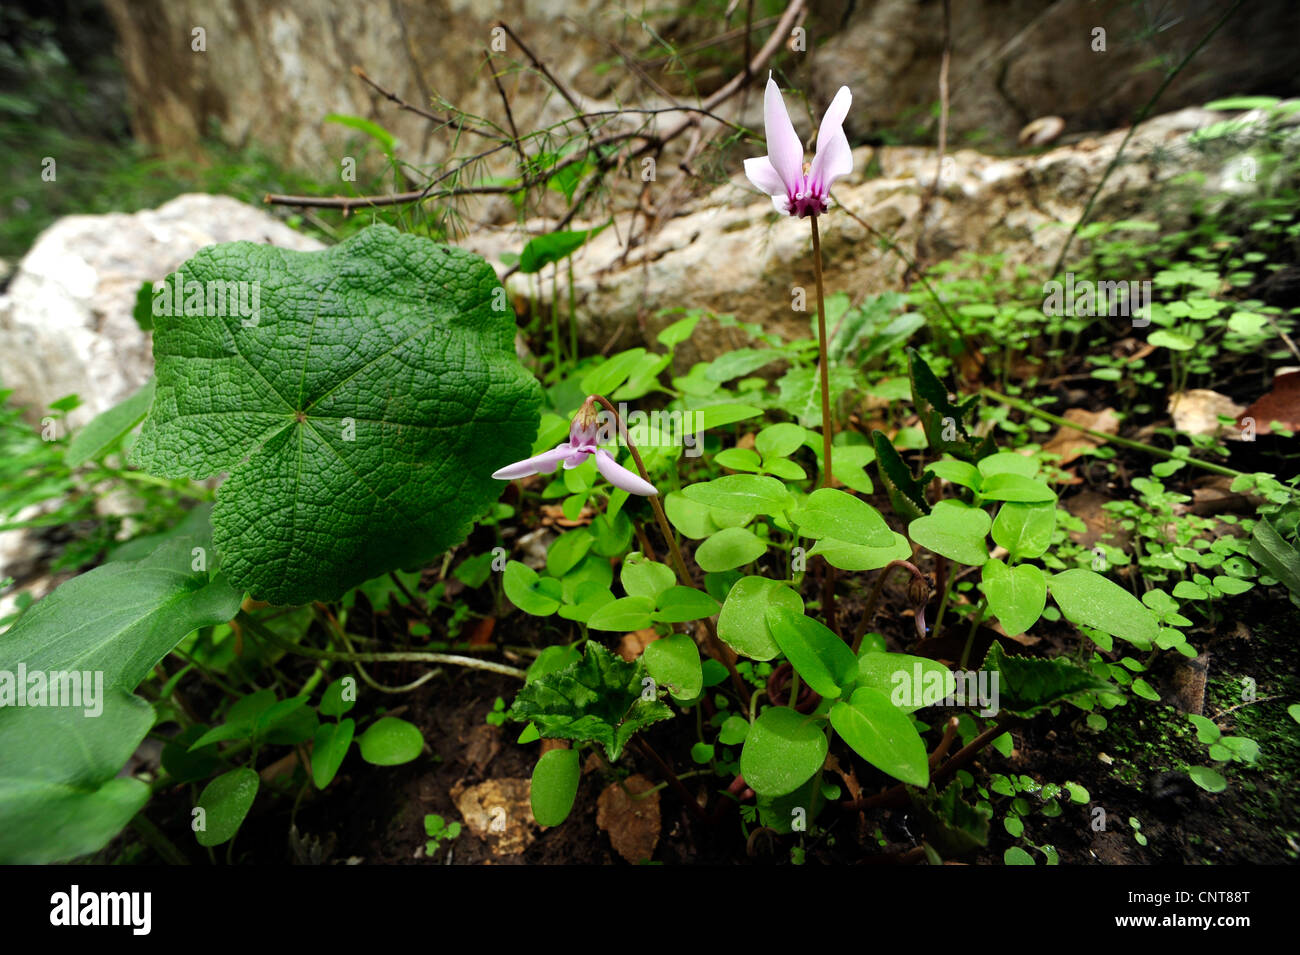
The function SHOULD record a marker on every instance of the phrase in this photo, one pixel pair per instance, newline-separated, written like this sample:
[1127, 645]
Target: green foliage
[599, 699]
[340, 469]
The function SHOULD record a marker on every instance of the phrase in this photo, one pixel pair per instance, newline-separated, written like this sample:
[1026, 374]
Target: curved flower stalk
[798, 189]
[584, 435]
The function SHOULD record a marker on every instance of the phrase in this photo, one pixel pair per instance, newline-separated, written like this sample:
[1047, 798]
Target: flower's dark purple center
[808, 198]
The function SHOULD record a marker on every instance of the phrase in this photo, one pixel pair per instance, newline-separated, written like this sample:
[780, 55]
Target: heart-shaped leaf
[359, 397]
[782, 751]
[954, 529]
[1016, 595]
[742, 624]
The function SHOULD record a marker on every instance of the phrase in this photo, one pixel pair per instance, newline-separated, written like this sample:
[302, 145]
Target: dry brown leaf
[632, 824]
[499, 812]
[482, 743]
[1197, 411]
[632, 645]
[1069, 443]
[1282, 405]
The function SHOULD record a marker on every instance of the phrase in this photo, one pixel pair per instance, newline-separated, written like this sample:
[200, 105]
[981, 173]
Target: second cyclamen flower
[584, 433]
[796, 189]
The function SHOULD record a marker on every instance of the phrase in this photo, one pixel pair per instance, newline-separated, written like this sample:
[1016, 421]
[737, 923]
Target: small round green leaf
[225, 802]
[729, 548]
[391, 742]
[674, 662]
[742, 623]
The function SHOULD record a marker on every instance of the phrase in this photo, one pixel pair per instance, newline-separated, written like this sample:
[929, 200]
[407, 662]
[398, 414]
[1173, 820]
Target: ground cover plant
[935, 579]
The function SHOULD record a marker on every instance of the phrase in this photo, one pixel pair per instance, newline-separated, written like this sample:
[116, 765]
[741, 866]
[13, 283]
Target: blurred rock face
[270, 72]
[66, 322]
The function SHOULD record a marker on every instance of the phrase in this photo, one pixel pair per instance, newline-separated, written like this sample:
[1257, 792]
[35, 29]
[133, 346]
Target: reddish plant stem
[874, 597]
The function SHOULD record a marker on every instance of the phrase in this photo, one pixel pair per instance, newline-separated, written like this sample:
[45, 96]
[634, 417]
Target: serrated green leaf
[1028, 684]
[906, 493]
[599, 699]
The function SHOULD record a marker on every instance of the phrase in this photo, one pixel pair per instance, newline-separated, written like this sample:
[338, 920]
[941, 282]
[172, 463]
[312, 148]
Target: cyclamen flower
[797, 189]
[583, 435]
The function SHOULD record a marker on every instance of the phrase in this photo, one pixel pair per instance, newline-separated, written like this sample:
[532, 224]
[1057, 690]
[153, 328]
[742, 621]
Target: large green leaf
[58, 794]
[1090, 600]
[120, 618]
[600, 698]
[360, 407]
[832, 513]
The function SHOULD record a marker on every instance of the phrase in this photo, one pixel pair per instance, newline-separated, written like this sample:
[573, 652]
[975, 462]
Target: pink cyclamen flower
[584, 433]
[797, 189]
